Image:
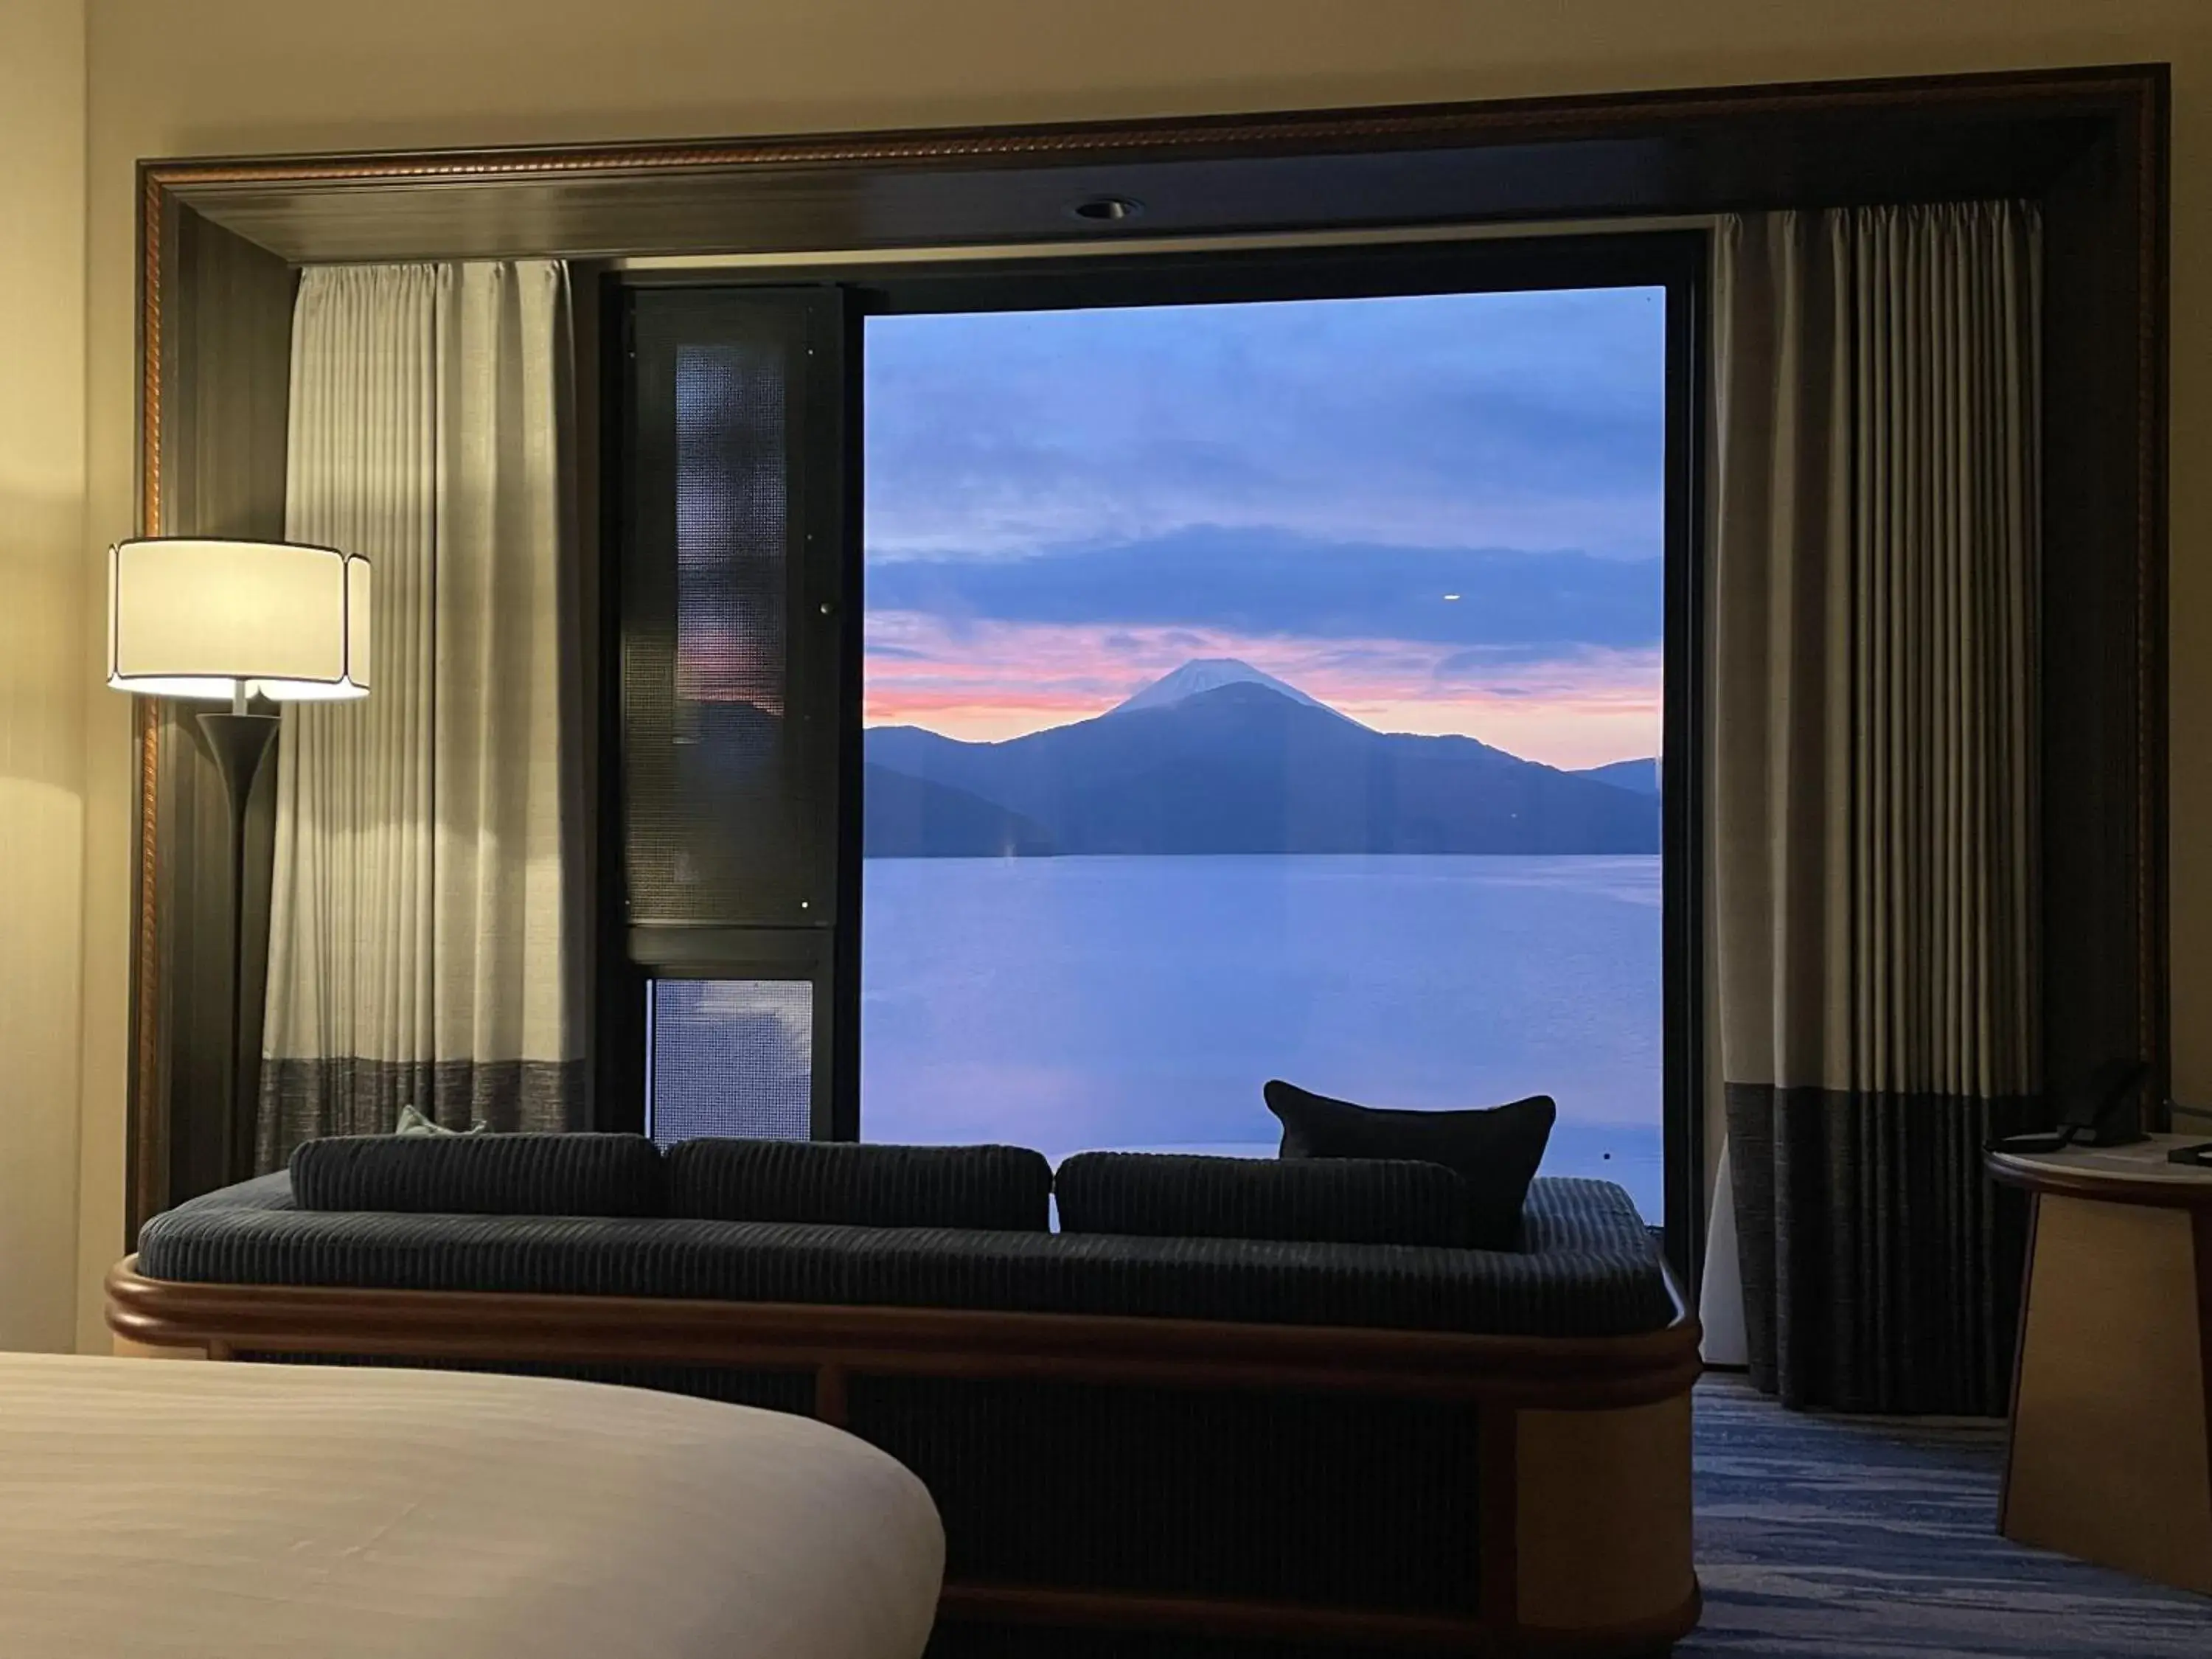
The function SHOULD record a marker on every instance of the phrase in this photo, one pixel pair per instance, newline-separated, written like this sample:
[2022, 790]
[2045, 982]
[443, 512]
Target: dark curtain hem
[306, 1099]
[1881, 1267]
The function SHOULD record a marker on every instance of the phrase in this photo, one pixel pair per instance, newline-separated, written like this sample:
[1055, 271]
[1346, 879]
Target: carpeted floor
[1859, 1538]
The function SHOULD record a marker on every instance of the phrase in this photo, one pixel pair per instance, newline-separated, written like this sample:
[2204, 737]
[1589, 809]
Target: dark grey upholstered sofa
[1229, 1404]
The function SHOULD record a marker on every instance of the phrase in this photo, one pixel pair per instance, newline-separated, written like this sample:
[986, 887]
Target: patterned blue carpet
[1858, 1537]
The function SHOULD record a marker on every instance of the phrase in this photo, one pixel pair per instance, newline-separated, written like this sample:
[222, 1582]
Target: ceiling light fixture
[1108, 209]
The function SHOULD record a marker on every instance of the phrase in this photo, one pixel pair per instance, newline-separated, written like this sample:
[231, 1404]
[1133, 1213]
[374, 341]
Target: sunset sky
[1437, 514]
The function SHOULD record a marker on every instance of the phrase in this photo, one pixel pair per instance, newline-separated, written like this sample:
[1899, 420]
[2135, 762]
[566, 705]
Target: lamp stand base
[238, 742]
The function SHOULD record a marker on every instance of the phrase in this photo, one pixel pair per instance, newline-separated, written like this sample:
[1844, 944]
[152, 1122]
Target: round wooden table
[2110, 1451]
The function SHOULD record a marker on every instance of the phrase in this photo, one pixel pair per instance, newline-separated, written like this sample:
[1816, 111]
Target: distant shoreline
[1125, 858]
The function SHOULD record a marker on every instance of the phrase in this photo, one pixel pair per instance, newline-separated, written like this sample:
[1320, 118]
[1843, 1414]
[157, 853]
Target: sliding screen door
[733, 616]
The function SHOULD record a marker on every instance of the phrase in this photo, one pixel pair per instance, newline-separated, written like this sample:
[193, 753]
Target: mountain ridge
[1640, 774]
[904, 812]
[1240, 768]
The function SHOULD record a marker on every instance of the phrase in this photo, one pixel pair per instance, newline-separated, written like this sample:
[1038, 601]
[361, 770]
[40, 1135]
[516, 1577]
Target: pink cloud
[993, 680]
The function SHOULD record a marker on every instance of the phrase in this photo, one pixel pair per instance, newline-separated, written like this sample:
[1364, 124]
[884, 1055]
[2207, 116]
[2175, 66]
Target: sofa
[1227, 1405]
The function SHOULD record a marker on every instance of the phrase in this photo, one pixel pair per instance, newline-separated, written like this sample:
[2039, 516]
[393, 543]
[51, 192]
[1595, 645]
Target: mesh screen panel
[732, 509]
[727, 778]
[729, 1057]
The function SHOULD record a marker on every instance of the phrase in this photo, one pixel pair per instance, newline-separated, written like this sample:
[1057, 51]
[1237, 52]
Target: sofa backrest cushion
[481, 1174]
[1587, 1268]
[860, 1184]
[1496, 1149]
[1321, 1201]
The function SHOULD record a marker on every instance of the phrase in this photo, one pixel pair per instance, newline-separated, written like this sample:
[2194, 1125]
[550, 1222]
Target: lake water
[1069, 1004]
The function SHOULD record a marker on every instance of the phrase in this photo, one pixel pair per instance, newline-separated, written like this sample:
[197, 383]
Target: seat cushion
[860, 1184]
[1495, 1150]
[1322, 1201]
[480, 1175]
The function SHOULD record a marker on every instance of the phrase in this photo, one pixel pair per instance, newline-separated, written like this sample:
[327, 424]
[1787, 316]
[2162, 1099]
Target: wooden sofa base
[1584, 1467]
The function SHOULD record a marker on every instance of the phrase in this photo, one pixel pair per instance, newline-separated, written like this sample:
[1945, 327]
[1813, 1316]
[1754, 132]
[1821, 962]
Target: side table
[2110, 1450]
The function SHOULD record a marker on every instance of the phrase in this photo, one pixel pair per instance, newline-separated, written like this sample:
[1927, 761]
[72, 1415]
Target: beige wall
[243, 76]
[42, 541]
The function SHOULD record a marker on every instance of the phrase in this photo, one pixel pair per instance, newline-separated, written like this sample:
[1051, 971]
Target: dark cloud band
[1256, 582]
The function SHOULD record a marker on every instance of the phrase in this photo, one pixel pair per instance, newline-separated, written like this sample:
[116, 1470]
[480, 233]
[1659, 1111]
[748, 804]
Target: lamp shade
[190, 616]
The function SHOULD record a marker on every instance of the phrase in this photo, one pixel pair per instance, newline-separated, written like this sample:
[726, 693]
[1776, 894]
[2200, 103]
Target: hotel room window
[1266, 690]
[1053, 707]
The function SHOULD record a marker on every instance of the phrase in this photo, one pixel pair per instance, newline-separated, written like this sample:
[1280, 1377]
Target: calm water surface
[1066, 1004]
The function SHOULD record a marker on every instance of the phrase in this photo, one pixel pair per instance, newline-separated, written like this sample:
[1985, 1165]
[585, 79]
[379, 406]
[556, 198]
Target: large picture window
[1266, 690]
[1262, 668]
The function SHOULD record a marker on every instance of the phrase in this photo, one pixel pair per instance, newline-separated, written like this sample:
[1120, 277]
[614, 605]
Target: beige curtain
[424, 945]
[1874, 590]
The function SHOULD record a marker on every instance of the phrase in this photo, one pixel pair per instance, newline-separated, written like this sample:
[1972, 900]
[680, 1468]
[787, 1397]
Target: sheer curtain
[1874, 590]
[426, 910]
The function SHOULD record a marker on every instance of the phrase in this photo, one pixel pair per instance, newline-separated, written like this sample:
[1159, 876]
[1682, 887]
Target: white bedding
[235, 1511]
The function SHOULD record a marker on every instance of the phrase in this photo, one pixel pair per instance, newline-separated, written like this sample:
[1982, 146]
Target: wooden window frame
[220, 241]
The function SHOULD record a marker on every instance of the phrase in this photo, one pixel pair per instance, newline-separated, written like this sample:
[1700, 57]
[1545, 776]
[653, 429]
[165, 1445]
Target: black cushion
[1495, 1150]
[1332, 1201]
[480, 1175]
[860, 1184]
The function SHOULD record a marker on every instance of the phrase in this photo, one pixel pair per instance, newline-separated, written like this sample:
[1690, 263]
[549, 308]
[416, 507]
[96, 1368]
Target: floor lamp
[228, 621]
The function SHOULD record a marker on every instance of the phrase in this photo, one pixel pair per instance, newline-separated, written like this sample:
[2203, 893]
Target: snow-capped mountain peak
[1204, 674]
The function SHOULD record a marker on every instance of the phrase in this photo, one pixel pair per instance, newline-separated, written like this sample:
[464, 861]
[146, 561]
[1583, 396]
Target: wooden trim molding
[1293, 132]
[145, 1109]
[1559, 1372]
[146, 1121]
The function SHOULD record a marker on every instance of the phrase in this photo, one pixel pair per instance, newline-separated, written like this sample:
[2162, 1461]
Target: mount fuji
[1219, 757]
[1204, 674]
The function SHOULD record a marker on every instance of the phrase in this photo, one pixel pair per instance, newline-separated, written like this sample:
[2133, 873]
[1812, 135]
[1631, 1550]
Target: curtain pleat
[1876, 567]
[423, 943]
